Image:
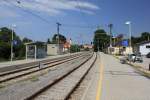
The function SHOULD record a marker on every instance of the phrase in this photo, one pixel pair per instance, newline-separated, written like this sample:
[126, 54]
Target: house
[120, 48]
[143, 47]
[55, 49]
[87, 46]
[66, 48]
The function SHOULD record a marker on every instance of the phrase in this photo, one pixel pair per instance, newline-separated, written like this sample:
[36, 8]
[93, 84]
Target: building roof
[88, 46]
[67, 45]
[36, 43]
[144, 42]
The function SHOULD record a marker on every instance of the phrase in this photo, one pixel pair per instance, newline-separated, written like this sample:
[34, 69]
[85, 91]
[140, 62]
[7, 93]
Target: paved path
[122, 82]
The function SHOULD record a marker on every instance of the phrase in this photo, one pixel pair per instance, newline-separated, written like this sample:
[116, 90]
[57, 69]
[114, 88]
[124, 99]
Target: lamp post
[130, 34]
[12, 38]
[110, 26]
[58, 26]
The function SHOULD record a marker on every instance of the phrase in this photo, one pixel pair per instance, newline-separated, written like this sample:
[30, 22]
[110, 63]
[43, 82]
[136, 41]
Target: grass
[33, 78]
[3, 60]
[30, 78]
[2, 86]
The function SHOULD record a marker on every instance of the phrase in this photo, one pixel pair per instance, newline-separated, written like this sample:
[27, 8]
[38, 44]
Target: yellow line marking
[99, 89]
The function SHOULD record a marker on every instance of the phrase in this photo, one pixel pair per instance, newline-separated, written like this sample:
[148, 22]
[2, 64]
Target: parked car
[135, 57]
[148, 55]
[139, 58]
[123, 60]
[131, 57]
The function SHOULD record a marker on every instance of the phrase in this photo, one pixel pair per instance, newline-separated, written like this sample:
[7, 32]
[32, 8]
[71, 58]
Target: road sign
[15, 42]
[125, 43]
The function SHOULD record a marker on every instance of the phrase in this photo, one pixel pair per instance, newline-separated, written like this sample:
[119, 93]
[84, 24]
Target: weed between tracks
[2, 86]
[31, 78]
[34, 78]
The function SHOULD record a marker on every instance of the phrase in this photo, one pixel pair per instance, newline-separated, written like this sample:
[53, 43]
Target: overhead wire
[84, 16]
[85, 20]
[81, 12]
[47, 21]
[27, 11]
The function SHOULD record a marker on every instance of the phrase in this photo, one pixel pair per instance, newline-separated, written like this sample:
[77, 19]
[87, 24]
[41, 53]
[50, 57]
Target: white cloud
[50, 7]
[54, 7]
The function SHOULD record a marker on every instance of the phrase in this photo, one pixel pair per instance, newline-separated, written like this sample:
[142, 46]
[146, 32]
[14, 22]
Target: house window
[147, 46]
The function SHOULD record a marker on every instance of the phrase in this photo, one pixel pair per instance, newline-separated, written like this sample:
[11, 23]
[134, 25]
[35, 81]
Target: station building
[143, 47]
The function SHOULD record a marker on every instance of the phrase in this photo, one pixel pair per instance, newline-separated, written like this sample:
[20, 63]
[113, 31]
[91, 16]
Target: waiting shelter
[35, 50]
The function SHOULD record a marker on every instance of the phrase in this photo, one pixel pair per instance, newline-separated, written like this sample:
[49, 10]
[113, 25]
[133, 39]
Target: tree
[5, 43]
[26, 40]
[62, 39]
[48, 41]
[101, 39]
[4, 50]
[74, 48]
[145, 36]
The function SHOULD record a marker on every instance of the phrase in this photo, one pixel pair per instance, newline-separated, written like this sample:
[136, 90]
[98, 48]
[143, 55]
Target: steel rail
[85, 74]
[37, 70]
[36, 65]
[57, 80]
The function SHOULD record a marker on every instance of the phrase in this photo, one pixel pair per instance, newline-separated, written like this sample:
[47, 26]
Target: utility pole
[110, 27]
[58, 25]
[130, 35]
[98, 45]
[12, 38]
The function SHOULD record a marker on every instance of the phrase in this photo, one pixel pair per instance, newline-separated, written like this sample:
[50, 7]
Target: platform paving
[122, 82]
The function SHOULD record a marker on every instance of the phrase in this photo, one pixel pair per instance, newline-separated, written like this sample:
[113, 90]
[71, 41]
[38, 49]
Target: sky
[36, 19]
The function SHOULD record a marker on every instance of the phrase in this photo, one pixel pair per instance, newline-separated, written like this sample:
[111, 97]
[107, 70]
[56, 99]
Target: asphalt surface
[122, 82]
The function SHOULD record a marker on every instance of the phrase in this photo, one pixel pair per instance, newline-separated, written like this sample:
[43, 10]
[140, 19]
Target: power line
[81, 12]
[80, 26]
[27, 11]
[47, 21]
[84, 18]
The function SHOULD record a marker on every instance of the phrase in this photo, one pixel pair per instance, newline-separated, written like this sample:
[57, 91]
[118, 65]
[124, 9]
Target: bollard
[39, 64]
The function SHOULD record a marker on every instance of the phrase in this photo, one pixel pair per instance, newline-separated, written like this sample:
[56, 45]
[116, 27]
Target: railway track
[15, 74]
[61, 88]
[21, 67]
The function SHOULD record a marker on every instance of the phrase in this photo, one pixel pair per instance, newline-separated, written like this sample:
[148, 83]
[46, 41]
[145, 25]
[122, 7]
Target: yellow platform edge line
[99, 89]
